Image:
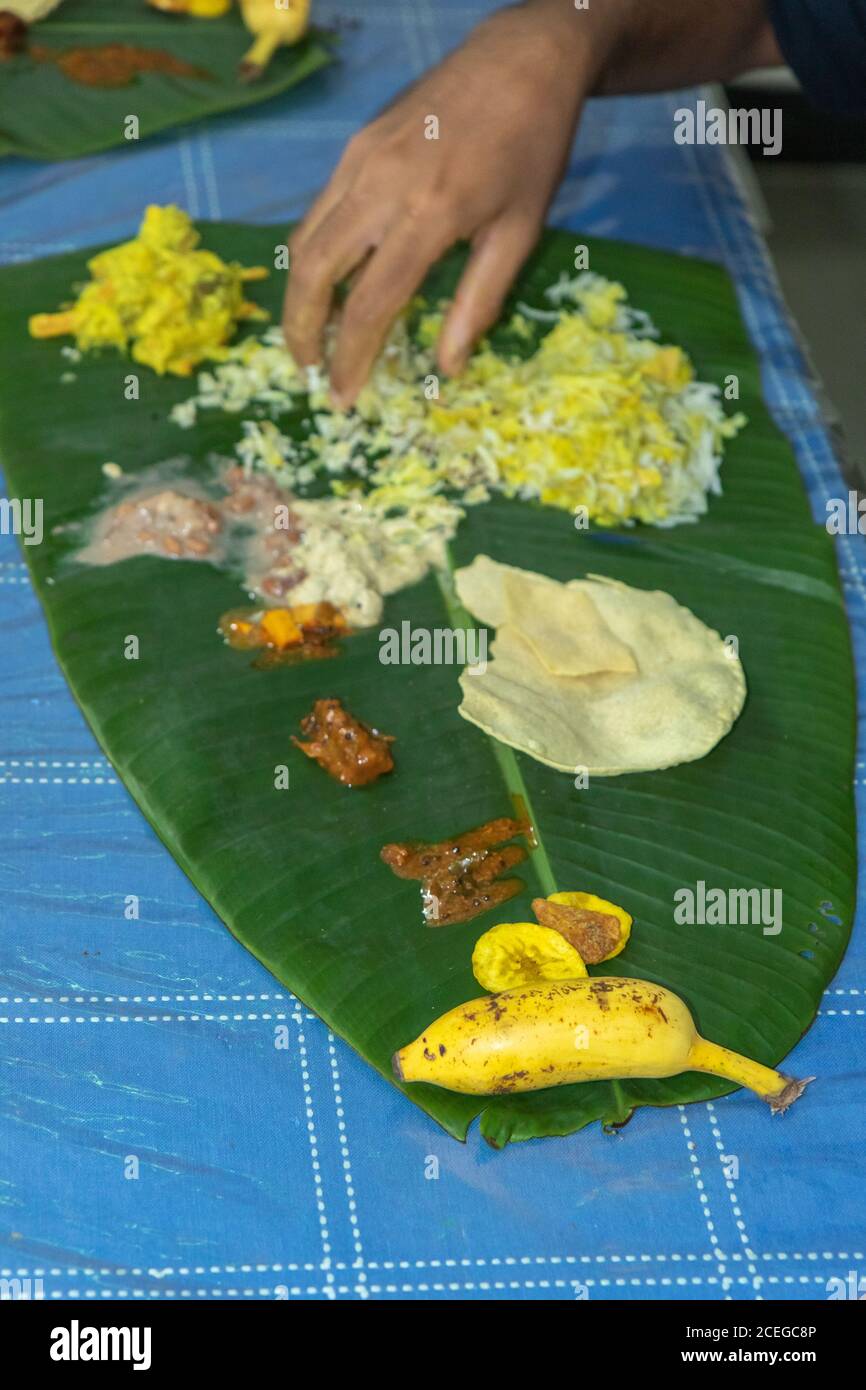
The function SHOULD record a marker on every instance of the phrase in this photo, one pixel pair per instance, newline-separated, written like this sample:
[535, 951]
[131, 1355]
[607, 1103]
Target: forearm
[655, 45]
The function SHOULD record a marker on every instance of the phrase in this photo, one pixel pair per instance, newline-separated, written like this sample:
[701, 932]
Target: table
[153, 1143]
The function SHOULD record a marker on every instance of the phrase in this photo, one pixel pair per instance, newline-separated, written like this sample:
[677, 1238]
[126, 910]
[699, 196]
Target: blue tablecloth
[148, 1044]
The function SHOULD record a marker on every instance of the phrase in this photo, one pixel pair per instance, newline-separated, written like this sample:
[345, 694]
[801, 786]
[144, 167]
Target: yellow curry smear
[161, 297]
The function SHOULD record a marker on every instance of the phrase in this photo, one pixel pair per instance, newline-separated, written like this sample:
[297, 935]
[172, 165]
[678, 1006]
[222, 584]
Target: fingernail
[452, 355]
[454, 363]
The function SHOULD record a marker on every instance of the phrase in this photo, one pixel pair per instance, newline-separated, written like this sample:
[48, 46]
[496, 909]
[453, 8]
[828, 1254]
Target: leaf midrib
[506, 758]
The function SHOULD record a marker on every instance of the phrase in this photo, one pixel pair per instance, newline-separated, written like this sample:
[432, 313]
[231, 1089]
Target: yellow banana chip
[522, 953]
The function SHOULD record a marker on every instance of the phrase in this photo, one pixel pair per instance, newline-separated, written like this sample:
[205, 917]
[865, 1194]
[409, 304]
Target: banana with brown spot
[591, 1029]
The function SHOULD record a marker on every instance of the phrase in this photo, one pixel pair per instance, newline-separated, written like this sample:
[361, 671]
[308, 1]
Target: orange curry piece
[285, 635]
[460, 877]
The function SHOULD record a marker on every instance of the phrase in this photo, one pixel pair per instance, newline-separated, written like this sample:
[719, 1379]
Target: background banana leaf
[45, 115]
[196, 733]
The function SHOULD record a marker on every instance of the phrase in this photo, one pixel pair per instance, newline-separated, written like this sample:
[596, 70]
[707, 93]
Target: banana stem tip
[793, 1091]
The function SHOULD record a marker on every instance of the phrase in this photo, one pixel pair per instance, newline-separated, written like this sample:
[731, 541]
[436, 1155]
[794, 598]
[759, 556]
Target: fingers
[337, 186]
[303, 320]
[384, 287]
[318, 264]
[497, 255]
[386, 282]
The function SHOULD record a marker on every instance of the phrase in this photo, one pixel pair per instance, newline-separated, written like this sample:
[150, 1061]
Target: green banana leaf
[295, 874]
[46, 115]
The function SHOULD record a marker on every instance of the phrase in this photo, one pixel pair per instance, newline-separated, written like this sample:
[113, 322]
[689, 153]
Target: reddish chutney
[351, 752]
[114, 64]
[13, 35]
[593, 934]
[460, 877]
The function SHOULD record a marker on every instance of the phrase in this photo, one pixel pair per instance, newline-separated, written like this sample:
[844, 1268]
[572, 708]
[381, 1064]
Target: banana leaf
[196, 733]
[46, 115]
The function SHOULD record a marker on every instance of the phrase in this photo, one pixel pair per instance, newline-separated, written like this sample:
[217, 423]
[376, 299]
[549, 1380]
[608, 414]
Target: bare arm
[659, 44]
[475, 151]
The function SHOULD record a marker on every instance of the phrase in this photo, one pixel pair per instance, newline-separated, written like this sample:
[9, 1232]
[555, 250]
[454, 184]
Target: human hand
[502, 110]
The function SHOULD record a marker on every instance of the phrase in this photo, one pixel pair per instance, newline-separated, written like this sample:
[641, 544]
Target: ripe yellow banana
[274, 23]
[590, 1029]
[196, 9]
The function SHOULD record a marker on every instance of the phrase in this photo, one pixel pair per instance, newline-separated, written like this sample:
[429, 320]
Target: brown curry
[349, 751]
[113, 64]
[460, 877]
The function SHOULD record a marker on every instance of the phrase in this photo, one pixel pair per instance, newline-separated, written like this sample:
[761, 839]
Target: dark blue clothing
[824, 41]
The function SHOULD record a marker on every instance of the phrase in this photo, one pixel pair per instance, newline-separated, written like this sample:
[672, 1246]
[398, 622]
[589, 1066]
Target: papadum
[594, 674]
